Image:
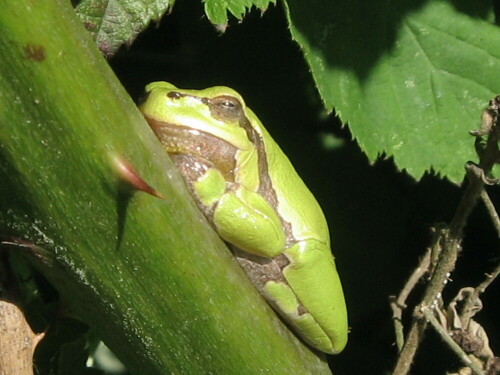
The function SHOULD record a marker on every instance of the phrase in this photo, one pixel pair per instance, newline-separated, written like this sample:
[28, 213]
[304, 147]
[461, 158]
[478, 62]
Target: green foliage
[406, 79]
[113, 23]
[217, 10]
[409, 79]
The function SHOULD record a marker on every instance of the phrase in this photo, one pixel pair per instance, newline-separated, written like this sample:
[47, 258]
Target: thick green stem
[148, 274]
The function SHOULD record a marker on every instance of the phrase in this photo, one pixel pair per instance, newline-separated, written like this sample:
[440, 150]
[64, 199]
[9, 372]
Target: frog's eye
[174, 95]
[225, 108]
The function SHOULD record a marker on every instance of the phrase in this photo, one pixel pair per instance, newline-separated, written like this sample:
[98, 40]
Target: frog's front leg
[241, 217]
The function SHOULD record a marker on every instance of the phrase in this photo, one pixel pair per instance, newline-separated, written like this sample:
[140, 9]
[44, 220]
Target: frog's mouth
[160, 128]
[177, 139]
[174, 138]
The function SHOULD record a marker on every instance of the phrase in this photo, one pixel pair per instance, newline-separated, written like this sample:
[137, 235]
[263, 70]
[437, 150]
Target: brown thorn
[38, 338]
[129, 175]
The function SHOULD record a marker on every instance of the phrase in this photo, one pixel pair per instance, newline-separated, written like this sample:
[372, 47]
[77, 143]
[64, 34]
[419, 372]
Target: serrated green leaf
[409, 79]
[216, 10]
[113, 23]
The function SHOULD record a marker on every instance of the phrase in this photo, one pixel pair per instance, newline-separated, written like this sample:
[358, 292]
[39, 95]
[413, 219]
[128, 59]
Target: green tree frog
[253, 197]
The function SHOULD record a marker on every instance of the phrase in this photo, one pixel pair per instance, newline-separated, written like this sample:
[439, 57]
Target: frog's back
[296, 203]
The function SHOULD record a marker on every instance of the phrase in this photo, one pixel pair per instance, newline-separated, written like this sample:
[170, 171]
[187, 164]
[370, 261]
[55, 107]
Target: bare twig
[451, 241]
[399, 303]
[444, 266]
[489, 279]
[426, 265]
[491, 210]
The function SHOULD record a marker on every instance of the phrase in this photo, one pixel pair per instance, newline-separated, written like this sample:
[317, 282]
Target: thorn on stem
[129, 175]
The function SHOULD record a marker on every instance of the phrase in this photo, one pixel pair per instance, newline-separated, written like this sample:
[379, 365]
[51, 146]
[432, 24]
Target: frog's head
[216, 111]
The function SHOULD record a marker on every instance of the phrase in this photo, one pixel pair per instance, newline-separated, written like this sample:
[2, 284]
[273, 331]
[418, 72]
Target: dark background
[379, 217]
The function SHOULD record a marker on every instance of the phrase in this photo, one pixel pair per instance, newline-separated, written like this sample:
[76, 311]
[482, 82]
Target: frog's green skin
[252, 195]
